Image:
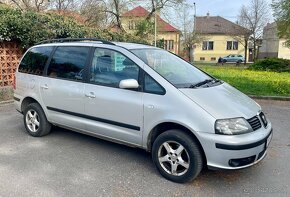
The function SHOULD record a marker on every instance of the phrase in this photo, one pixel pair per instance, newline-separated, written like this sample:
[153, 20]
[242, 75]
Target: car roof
[125, 45]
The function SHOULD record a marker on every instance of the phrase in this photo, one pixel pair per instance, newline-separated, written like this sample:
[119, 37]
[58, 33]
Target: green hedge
[272, 64]
[29, 28]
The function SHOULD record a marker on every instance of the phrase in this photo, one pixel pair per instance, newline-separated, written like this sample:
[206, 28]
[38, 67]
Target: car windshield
[175, 70]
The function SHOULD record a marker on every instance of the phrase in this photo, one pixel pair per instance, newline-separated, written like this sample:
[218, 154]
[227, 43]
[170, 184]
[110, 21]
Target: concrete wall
[270, 42]
[219, 49]
[272, 46]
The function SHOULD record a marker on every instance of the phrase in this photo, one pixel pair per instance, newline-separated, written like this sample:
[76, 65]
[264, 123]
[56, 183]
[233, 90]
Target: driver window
[110, 67]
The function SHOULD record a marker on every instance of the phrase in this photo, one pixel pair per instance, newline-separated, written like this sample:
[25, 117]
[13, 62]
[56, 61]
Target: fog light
[242, 161]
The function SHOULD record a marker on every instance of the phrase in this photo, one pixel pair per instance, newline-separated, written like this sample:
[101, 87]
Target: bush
[29, 28]
[272, 64]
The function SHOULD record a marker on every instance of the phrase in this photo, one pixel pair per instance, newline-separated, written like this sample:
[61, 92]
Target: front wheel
[35, 120]
[177, 156]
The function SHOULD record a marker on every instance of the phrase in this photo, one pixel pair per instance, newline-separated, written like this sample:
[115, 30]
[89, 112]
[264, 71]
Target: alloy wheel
[173, 158]
[32, 120]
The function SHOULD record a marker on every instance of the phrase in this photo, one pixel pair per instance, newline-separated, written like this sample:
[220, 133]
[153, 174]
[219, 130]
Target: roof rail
[62, 40]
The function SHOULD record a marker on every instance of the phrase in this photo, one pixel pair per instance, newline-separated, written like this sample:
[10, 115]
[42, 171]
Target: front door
[113, 112]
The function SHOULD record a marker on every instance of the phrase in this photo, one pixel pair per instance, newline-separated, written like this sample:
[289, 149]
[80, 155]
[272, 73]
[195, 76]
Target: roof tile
[162, 26]
[218, 25]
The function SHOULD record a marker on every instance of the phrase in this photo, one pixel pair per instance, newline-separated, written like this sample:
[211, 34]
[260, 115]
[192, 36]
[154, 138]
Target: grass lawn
[260, 83]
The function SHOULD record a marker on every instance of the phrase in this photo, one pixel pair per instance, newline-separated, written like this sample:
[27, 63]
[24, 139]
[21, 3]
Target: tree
[254, 17]
[185, 24]
[61, 5]
[32, 5]
[145, 29]
[157, 5]
[114, 10]
[30, 27]
[243, 39]
[93, 11]
[282, 15]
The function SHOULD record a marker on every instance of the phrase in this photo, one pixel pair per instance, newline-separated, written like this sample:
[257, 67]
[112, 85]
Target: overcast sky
[226, 8]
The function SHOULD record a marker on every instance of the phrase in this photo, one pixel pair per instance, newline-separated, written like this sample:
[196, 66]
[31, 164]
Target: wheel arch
[165, 126]
[26, 101]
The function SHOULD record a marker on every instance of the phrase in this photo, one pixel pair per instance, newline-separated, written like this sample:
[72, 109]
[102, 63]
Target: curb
[276, 98]
[6, 102]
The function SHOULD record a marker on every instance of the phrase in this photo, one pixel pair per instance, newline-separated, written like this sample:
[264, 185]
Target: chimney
[207, 15]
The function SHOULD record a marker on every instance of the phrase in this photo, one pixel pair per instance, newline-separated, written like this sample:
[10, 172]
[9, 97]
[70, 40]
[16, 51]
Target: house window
[168, 45]
[201, 58]
[207, 45]
[212, 59]
[232, 45]
[132, 24]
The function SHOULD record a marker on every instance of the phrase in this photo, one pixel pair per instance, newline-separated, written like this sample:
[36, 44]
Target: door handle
[44, 87]
[90, 95]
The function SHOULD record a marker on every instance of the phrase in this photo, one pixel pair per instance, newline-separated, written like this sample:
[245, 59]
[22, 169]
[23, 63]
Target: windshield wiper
[203, 83]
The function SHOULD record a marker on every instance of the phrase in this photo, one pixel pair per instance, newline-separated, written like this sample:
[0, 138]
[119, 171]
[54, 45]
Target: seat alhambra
[141, 96]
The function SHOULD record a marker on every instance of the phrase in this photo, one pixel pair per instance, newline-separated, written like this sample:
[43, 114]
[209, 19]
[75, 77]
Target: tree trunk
[246, 51]
[254, 50]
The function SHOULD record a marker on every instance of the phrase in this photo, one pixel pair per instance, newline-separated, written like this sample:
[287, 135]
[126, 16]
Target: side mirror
[129, 84]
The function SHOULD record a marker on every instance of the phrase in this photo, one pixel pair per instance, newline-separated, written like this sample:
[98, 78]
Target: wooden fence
[10, 54]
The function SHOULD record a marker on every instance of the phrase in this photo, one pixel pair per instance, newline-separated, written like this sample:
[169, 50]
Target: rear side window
[34, 60]
[68, 63]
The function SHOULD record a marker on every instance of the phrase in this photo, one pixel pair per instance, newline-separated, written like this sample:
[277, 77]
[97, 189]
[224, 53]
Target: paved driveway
[66, 163]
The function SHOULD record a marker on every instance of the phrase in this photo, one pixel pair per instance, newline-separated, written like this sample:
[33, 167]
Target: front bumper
[236, 151]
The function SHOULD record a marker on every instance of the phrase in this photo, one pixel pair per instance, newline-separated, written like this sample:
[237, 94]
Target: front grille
[255, 123]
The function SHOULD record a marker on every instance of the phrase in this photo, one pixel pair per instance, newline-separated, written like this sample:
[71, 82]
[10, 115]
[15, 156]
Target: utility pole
[194, 32]
[155, 24]
[194, 16]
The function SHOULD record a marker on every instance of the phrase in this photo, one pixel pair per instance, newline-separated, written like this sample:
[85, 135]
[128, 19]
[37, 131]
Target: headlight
[232, 126]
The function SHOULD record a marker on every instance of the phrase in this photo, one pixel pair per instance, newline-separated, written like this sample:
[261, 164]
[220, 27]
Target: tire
[224, 61]
[189, 161]
[35, 121]
[239, 61]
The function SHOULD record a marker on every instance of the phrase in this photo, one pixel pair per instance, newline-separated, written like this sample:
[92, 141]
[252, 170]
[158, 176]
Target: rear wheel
[177, 156]
[35, 121]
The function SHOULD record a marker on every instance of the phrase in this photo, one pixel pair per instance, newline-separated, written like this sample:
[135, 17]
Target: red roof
[164, 26]
[139, 11]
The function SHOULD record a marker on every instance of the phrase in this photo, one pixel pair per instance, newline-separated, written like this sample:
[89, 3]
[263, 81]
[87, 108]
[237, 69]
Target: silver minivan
[143, 97]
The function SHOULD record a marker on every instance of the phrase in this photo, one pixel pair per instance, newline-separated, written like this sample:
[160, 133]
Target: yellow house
[272, 45]
[220, 37]
[165, 31]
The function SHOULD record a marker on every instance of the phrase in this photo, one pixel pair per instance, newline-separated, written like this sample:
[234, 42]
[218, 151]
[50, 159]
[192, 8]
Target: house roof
[162, 26]
[137, 12]
[218, 25]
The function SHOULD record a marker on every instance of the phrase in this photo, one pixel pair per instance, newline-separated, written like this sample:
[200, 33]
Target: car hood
[223, 101]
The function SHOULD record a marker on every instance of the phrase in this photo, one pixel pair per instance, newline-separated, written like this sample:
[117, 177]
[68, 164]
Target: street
[67, 163]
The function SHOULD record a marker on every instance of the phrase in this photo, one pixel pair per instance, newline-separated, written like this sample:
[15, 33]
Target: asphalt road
[66, 163]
